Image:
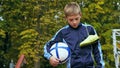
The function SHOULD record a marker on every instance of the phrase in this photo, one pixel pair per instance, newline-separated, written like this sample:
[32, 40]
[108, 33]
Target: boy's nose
[74, 21]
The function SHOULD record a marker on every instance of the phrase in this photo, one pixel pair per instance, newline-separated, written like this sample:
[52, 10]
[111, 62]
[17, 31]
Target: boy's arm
[98, 56]
[47, 55]
[97, 51]
[57, 38]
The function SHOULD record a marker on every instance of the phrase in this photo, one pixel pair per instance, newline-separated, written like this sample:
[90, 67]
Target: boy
[73, 34]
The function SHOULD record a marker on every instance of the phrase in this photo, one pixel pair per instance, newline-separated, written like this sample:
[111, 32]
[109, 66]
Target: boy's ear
[81, 14]
[65, 17]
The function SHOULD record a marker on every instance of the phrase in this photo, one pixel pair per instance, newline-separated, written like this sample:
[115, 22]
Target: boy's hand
[54, 61]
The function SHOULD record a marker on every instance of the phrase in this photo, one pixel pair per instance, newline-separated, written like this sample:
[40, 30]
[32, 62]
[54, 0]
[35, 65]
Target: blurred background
[26, 25]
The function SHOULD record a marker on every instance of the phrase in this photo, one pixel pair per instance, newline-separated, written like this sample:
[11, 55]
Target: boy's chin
[75, 26]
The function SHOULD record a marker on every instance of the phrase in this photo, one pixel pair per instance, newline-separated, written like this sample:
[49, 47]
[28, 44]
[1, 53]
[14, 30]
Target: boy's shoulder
[87, 25]
[65, 27]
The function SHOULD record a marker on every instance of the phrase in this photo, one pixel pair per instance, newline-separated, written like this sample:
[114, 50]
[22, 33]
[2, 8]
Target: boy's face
[73, 20]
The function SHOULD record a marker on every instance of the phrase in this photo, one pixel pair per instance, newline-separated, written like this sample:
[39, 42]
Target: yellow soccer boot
[90, 39]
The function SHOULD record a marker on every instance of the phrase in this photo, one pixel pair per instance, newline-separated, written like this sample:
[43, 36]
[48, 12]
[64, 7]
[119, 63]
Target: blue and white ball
[61, 51]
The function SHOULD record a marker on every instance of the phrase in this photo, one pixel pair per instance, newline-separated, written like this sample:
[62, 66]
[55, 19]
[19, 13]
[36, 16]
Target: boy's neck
[75, 28]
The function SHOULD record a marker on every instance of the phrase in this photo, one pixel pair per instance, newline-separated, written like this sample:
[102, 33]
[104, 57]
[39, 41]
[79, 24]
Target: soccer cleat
[90, 39]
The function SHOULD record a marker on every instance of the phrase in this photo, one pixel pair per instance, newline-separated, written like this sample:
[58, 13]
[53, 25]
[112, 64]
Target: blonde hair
[72, 8]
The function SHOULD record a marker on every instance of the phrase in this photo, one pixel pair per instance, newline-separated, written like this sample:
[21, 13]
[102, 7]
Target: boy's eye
[73, 19]
[70, 19]
[76, 18]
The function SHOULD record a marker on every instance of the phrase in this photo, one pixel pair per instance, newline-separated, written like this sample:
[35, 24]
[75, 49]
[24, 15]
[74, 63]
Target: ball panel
[61, 51]
[63, 54]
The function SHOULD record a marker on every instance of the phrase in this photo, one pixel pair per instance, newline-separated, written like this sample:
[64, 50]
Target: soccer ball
[61, 51]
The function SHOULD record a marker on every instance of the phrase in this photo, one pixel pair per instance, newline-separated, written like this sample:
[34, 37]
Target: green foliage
[108, 55]
[2, 33]
[29, 47]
